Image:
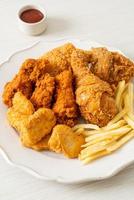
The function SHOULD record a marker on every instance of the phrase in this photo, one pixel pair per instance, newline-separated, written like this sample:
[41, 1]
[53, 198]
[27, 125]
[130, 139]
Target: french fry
[80, 130]
[120, 90]
[93, 132]
[94, 157]
[93, 149]
[131, 96]
[86, 126]
[118, 117]
[115, 125]
[129, 121]
[121, 142]
[121, 130]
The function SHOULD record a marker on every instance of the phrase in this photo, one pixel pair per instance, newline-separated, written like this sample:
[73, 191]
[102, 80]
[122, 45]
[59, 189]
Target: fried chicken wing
[94, 96]
[64, 140]
[111, 66]
[21, 82]
[65, 107]
[43, 93]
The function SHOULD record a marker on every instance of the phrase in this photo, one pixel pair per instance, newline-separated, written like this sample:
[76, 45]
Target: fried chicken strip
[21, 82]
[111, 66]
[43, 93]
[65, 107]
[94, 96]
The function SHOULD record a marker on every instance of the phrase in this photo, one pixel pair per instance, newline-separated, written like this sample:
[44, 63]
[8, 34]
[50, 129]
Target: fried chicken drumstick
[94, 96]
[65, 107]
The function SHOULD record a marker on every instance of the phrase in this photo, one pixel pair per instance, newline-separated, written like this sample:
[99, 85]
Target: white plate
[48, 165]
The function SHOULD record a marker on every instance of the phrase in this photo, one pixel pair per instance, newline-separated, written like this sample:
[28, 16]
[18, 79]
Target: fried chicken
[43, 93]
[94, 96]
[64, 140]
[65, 107]
[59, 58]
[32, 126]
[21, 82]
[111, 66]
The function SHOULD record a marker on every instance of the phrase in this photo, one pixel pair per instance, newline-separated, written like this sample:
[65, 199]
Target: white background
[109, 22]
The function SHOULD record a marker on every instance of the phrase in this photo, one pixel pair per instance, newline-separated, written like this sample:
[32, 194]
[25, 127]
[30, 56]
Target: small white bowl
[32, 28]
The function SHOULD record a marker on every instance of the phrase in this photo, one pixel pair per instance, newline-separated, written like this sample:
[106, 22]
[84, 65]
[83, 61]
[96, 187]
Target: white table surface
[107, 21]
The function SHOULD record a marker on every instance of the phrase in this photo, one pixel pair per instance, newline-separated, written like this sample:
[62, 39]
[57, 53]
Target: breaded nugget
[65, 107]
[20, 111]
[21, 82]
[43, 93]
[94, 96]
[64, 140]
[22, 105]
[38, 126]
[32, 126]
[41, 145]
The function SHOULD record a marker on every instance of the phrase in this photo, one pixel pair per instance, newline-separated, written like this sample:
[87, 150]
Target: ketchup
[31, 16]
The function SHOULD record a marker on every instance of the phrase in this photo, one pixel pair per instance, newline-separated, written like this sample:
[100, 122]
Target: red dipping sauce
[31, 16]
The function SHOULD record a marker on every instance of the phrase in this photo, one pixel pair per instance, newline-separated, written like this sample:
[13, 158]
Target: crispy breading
[111, 66]
[21, 82]
[32, 126]
[123, 69]
[64, 140]
[42, 67]
[103, 64]
[38, 126]
[94, 96]
[59, 58]
[65, 107]
[22, 105]
[43, 93]
[41, 145]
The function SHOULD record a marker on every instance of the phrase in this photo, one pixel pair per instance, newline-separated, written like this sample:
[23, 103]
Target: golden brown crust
[64, 140]
[43, 93]
[89, 92]
[21, 82]
[111, 66]
[65, 107]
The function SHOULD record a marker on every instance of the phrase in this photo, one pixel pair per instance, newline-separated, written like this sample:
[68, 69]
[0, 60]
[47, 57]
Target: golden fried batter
[43, 93]
[64, 140]
[65, 107]
[111, 66]
[21, 82]
[59, 58]
[32, 126]
[94, 96]
[41, 145]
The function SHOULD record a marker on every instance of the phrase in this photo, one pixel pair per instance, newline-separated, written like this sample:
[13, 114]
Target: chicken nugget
[64, 140]
[41, 145]
[37, 126]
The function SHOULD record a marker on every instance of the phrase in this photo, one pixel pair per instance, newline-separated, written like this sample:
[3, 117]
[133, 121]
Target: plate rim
[33, 172]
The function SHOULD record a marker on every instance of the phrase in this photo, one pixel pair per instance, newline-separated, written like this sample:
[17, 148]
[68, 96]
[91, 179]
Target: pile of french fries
[105, 140]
